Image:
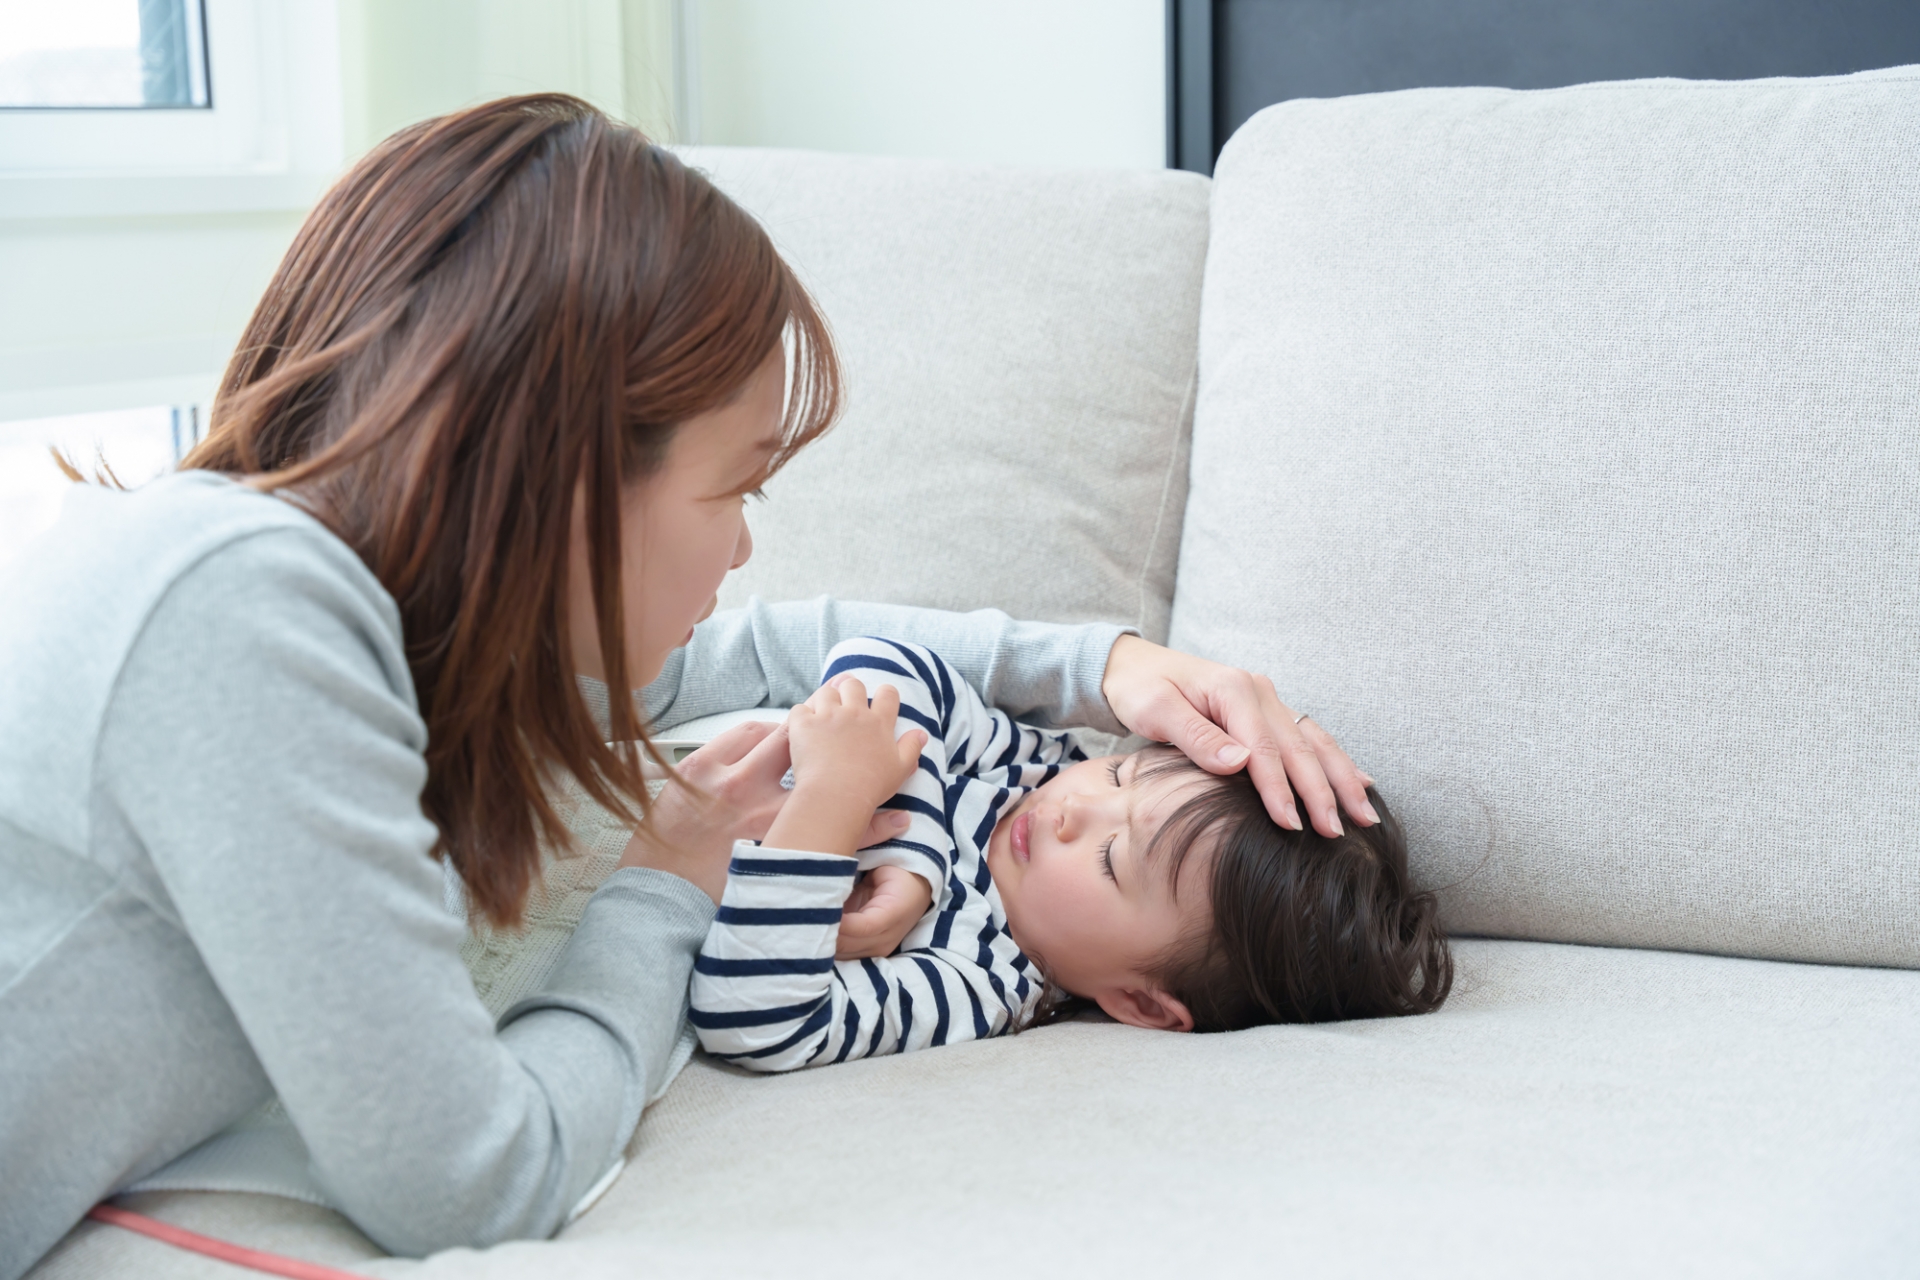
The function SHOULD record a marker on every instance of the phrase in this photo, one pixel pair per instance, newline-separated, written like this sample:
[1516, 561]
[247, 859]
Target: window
[94, 54]
[137, 444]
[128, 107]
[123, 279]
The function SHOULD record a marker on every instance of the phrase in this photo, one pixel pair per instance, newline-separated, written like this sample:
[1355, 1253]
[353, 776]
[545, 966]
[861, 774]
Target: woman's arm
[771, 655]
[264, 747]
[1098, 675]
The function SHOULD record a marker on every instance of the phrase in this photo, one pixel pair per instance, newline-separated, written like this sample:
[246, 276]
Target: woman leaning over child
[484, 446]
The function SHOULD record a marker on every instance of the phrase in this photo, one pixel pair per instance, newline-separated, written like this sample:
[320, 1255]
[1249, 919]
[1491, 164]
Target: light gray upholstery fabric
[1560, 452]
[1019, 348]
[1615, 438]
[1571, 1112]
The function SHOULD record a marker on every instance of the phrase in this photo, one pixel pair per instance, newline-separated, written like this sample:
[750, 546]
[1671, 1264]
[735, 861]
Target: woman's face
[681, 529]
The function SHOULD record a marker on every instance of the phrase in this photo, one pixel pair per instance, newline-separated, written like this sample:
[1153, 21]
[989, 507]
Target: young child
[1162, 893]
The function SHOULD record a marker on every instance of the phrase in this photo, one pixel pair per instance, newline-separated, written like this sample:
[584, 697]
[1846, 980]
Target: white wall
[1055, 82]
[410, 59]
[111, 313]
[130, 260]
[131, 291]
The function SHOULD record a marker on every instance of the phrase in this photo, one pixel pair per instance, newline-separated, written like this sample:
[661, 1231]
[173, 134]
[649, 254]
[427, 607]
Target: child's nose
[1071, 814]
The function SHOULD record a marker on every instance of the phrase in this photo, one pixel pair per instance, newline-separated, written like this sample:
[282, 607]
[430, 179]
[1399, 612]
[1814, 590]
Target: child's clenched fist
[846, 761]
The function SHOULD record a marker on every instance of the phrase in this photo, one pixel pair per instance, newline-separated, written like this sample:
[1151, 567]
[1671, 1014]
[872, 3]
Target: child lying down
[1141, 883]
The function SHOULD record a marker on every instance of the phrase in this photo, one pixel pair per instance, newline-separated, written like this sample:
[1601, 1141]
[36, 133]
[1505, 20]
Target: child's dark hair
[1306, 927]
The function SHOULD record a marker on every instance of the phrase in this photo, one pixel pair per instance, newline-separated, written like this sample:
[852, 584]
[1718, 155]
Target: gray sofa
[1560, 452]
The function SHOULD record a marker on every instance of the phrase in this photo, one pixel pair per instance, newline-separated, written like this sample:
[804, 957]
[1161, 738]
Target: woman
[485, 442]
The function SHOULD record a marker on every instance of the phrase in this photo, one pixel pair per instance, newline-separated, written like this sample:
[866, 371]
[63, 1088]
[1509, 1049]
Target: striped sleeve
[762, 981]
[974, 739]
[932, 698]
[768, 995]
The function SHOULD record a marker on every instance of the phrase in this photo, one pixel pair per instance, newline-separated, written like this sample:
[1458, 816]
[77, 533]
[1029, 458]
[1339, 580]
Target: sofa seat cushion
[1020, 348]
[1572, 1111]
[1558, 452]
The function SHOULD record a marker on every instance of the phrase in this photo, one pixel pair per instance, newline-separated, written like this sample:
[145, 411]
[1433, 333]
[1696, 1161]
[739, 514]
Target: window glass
[137, 444]
[103, 53]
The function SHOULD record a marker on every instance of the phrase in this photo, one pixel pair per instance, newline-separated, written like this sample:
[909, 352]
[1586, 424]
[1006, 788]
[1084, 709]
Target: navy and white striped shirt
[767, 992]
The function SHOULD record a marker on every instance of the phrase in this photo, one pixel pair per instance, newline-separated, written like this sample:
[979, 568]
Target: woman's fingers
[735, 744]
[1267, 764]
[1223, 726]
[1281, 759]
[1292, 752]
[886, 824]
[1212, 712]
[772, 756]
[1348, 782]
[1203, 741]
[895, 901]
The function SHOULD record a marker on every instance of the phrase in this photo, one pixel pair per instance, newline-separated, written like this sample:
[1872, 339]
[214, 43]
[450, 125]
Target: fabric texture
[264, 1153]
[1557, 452]
[1019, 350]
[767, 992]
[215, 886]
[769, 655]
[1570, 1112]
[510, 964]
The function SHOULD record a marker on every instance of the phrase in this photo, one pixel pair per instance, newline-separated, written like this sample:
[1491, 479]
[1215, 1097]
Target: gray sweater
[215, 888]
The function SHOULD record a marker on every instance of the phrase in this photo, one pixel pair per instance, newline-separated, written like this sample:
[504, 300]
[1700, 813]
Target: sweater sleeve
[771, 655]
[769, 996]
[264, 744]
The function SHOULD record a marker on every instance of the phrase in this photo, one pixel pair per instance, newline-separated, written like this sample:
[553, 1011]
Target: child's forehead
[1161, 781]
[1167, 781]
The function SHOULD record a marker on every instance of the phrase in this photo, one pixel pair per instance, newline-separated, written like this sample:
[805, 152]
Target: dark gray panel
[1191, 143]
[1266, 51]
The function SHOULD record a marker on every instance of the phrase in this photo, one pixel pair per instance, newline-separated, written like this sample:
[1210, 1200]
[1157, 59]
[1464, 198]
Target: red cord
[180, 1238]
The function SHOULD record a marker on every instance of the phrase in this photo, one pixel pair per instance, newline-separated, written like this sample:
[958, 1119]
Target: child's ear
[1146, 1007]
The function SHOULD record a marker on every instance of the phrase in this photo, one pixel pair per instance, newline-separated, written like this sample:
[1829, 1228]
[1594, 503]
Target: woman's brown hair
[493, 311]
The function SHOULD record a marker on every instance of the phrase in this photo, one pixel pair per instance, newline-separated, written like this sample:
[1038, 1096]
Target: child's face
[1082, 899]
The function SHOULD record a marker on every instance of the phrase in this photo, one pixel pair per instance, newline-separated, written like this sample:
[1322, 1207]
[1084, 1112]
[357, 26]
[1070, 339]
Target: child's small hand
[845, 762]
[842, 742]
[885, 906]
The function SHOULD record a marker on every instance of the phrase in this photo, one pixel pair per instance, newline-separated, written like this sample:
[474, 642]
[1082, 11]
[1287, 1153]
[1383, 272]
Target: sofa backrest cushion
[1560, 452]
[1020, 348]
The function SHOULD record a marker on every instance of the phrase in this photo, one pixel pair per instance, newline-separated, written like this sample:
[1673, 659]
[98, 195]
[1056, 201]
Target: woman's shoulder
[82, 597]
[89, 583]
[162, 528]
[116, 552]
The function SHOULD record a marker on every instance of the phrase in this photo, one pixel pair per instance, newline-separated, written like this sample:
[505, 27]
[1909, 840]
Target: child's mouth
[1017, 836]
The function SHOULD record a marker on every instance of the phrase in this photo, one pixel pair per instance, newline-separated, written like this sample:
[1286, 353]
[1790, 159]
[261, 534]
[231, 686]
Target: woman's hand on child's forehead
[1225, 720]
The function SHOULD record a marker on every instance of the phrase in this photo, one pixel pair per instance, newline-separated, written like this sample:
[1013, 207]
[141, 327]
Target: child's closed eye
[1106, 860]
[1113, 770]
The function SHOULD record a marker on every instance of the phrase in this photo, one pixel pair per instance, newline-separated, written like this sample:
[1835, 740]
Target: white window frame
[271, 140]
